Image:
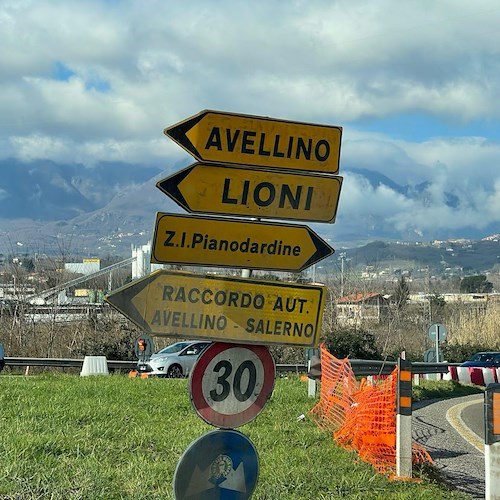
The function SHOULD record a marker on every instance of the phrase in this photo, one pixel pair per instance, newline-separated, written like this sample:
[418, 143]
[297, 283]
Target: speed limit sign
[230, 383]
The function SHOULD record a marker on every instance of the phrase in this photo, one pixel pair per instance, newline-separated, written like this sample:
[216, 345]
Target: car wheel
[175, 371]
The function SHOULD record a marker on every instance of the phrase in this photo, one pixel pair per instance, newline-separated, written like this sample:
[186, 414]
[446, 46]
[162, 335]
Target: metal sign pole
[437, 344]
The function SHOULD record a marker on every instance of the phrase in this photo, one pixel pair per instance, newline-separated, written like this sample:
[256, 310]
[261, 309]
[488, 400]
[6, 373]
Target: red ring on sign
[201, 405]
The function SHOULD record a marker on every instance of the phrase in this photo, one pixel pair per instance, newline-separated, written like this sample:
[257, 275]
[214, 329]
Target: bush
[458, 353]
[351, 343]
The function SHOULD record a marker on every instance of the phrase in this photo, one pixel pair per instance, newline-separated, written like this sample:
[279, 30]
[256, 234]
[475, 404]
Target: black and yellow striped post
[403, 420]
[492, 441]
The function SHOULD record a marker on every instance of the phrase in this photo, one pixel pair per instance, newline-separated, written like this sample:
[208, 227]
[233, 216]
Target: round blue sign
[220, 465]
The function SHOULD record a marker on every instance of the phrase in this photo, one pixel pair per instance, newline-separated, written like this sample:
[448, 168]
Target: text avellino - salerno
[213, 322]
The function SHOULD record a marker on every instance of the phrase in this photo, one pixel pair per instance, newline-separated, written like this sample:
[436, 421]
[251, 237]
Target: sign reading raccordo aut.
[179, 304]
[230, 138]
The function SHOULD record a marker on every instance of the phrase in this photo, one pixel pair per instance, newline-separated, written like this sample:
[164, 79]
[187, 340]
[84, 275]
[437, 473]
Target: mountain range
[47, 206]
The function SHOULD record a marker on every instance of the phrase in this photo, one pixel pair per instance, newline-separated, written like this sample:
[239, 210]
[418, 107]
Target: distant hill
[46, 191]
[104, 209]
[470, 256]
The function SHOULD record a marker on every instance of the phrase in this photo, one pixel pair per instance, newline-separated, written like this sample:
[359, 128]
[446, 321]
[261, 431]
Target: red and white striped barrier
[473, 375]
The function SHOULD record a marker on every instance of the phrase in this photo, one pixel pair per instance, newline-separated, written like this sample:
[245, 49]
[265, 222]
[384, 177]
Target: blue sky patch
[61, 72]
[99, 85]
[419, 127]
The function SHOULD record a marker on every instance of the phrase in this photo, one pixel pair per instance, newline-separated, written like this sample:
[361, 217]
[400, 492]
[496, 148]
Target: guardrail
[64, 363]
[361, 367]
[365, 367]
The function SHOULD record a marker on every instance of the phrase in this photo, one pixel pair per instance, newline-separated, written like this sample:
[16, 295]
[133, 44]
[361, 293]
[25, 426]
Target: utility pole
[341, 258]
[428, 297]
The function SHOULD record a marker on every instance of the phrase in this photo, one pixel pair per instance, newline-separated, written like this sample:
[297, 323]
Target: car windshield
[482, 356]
[172, 349]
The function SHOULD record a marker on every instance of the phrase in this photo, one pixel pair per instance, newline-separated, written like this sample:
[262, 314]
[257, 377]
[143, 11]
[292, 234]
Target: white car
[174, 361]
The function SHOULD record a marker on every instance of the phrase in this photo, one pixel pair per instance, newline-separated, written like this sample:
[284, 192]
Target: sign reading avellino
[216, 241]
[179, 304]
[219, 137]
[222, 190]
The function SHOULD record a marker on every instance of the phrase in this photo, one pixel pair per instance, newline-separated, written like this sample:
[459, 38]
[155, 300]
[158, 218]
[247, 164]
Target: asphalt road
[473, 417]
[435, 425]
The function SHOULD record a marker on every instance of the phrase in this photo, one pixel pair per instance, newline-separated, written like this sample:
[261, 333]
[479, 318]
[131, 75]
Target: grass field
[70, 437]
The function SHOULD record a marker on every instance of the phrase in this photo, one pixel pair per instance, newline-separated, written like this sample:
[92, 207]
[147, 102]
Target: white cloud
[136, 67]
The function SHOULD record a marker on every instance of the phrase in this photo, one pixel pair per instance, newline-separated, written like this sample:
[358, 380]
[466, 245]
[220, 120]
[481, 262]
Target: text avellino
[258, 143]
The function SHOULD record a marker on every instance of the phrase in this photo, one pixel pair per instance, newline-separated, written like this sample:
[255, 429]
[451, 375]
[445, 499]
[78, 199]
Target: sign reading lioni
[180, 304]
[217, 241]
[219, 137]
[222, 190]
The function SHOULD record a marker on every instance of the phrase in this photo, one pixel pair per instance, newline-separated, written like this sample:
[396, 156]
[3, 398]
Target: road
[435, 425]
[473, 418]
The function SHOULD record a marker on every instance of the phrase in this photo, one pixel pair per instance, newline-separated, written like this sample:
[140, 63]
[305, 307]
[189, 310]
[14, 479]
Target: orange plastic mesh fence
[360, 415]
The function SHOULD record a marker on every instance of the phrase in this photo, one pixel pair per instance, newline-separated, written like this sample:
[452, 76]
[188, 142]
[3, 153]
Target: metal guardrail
[365, 367]
[64, 363]
[361, 367]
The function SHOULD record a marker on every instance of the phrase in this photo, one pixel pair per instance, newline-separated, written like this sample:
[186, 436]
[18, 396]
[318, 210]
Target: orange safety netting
[362, 416]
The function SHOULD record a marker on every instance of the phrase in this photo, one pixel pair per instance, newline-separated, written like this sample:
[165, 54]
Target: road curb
[454, 418]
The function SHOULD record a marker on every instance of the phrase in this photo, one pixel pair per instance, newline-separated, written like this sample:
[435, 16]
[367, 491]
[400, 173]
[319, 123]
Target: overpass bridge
[41, 297]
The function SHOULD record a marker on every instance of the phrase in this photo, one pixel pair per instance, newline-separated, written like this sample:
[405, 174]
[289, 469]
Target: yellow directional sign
[218, 137]
[271, 194]
[214, 241]
[223, 308]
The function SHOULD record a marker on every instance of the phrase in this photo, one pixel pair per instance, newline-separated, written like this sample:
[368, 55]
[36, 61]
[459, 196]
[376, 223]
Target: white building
[142, 266]
[87, 266]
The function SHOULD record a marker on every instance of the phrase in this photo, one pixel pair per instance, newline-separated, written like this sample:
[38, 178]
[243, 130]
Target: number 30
[222, 380]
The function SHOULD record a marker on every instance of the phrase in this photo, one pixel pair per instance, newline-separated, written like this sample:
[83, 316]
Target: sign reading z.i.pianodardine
[218, 241]
[180, 304]
[219, 137]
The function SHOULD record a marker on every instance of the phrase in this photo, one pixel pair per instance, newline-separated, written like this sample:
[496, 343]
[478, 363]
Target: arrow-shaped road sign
[217, 241]
[218, 137]
[271, 194]
[180, 304]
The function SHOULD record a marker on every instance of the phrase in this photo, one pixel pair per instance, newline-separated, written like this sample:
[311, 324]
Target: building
[86, 267]
[142, 265]
[359, 308]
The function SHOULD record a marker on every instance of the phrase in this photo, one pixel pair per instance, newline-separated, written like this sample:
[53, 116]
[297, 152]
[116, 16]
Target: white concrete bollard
[94, 365]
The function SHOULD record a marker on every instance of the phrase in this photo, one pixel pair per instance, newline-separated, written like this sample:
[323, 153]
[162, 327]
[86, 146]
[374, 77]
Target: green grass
[443, 389]
[70, 437]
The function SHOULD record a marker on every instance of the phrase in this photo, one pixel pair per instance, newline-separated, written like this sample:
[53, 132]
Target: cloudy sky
[414, 84]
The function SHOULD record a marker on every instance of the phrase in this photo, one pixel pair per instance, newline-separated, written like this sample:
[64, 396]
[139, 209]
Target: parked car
[174, 361]
[484, 360]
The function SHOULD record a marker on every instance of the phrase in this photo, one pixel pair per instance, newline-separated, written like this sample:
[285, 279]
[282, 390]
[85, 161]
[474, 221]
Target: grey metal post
[403, 420]
[437, 348]
[492, 442]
